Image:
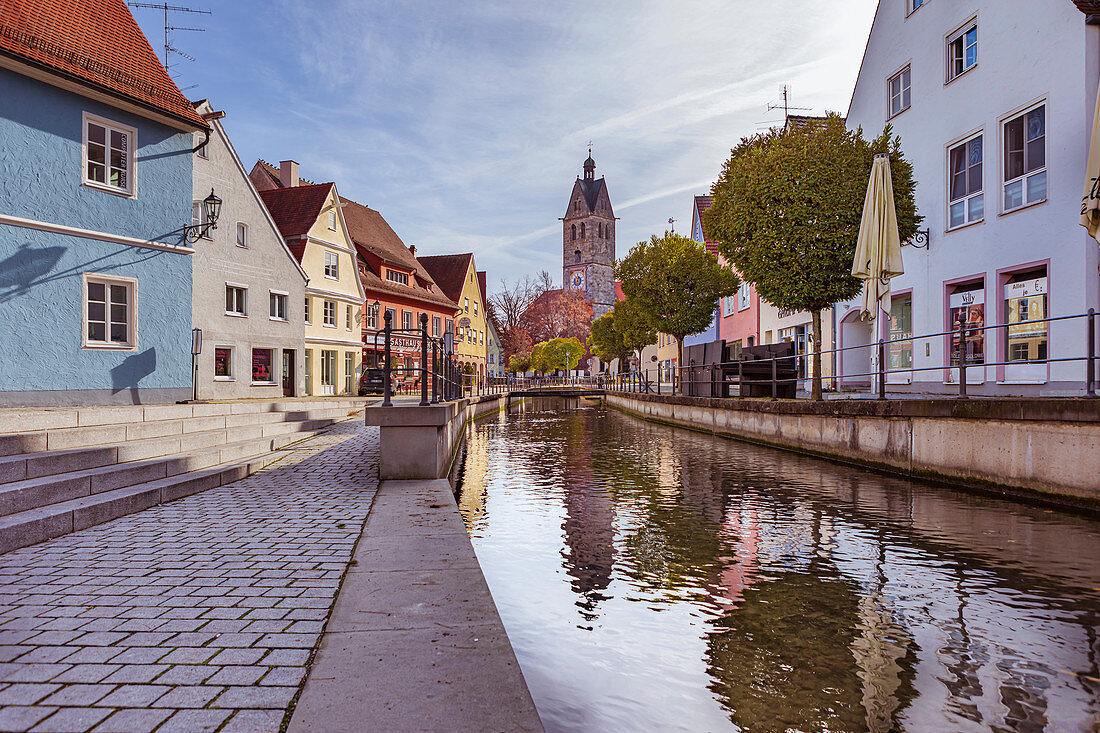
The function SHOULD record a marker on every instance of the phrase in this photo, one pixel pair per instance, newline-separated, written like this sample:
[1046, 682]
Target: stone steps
[68, 477]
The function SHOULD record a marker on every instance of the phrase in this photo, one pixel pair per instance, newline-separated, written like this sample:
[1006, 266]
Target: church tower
[588, 240]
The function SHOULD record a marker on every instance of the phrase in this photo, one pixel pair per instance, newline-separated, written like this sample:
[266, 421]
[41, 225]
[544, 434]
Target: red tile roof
[96, 42]
[449, 271]
[265, 177]
[295, 210]
[481, 284]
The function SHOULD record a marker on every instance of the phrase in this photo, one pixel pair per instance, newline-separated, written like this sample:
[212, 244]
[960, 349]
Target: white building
[993, 100]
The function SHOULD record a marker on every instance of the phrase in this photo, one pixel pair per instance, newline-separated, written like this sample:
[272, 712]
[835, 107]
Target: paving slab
[414, 642]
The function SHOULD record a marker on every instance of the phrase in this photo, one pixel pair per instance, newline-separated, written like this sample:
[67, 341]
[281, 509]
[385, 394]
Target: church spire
[590, 167]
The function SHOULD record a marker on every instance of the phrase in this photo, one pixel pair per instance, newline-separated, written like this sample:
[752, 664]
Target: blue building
[699, 206]
[96, 146]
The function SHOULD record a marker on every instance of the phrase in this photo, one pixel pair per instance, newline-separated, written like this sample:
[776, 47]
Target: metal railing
[442, 377]
[725, 375]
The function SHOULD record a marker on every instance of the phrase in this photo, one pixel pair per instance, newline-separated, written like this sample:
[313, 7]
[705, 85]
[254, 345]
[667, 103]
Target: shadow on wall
[132, 370]
[31, 266]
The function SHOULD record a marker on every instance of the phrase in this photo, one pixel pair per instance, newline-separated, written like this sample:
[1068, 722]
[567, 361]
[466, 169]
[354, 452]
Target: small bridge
[553, 392]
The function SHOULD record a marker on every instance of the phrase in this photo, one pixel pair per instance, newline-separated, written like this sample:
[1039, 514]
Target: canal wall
[1039, 448]
[421, 442]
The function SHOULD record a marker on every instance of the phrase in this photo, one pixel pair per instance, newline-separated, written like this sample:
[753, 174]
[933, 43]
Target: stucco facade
[998, 140]
[260, 352]
[68, 247]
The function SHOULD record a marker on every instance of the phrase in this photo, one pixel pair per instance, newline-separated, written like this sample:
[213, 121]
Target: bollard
[962, 360]
[881, 369]
[387, 373]
[1090, 369]
[424, 360]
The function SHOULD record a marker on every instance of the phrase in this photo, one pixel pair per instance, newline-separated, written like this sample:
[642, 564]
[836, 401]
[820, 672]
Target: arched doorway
[856, 364]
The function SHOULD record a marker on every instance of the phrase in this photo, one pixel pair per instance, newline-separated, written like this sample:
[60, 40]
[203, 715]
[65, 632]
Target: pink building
[738, 315]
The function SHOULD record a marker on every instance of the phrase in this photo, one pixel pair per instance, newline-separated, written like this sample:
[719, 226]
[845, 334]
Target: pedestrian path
[196, 615]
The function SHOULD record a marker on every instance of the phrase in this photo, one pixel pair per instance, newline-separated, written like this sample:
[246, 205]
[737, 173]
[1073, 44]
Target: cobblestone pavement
[197, 615]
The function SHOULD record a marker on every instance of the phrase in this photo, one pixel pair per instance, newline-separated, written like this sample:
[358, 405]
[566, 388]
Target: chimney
[412, 249]
[288, 173]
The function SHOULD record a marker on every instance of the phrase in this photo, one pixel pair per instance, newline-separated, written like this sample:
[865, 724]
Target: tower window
[599, 230]
[576, 255]
[582, 230]
[574, 237]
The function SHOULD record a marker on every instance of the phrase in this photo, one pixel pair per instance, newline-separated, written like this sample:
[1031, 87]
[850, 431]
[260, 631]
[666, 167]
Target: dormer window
[401, 278]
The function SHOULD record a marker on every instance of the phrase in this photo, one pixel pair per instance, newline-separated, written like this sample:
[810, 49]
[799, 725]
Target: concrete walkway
[415, 642]
[197, 615]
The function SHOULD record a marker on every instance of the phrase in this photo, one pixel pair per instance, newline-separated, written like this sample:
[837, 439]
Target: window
[573, 237]
[309, 371]
[744, 296]
[198, 217]
[372, 317]
[332, 220]
[914, 4]
[262, 362]
[108, 155]
[332, 266]
[481, 337]
[582, 230]
[110, 311]
[242, 234]
[967, 304]
[1025, 172]
[309, 320]
[450, 325]
[467, 305]
[349, 371]
[576, 255]
[1026, 302]
[899, 90]
[962, 52]
[599, 230]
[393, 317]
[201, 148]
[437, 323]
[348, 321]
[967, 203]
[223, 363]
[277, 305]
[328, 368]
[401, 278]
[406, 319]
[330, 313]
[236, 300]
[475, 307]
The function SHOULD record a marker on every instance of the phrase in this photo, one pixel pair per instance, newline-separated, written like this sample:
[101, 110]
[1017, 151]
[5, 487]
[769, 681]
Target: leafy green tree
[564, 353]
[519, 363]
[606, 342]
[635, 326]
[676, 284]
[539, 358]
[787, 209]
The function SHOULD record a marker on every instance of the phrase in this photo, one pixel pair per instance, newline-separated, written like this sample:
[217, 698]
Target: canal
[652, 578]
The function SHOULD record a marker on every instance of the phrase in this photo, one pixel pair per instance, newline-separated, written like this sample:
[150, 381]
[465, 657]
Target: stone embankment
[1047, 449]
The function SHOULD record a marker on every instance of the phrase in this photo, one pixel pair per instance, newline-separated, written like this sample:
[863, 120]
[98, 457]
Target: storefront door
[288, 372]
[967, 308]
[899, 352]
[1026, 341]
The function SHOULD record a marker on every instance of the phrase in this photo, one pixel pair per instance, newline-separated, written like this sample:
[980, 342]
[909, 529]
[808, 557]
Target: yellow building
[459, 279]
[310, 220]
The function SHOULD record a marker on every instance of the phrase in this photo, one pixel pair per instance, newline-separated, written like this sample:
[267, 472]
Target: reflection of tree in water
[783, 659]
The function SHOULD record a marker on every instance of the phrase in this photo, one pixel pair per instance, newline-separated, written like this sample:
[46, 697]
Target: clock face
[577, 281]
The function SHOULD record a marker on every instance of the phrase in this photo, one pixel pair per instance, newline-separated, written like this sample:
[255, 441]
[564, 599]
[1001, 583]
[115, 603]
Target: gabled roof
[96, 43]
[266, 176]
[449, 272]
[481, 277]
[295, 210]
[702, 203]
[591, 191]
[803, 120]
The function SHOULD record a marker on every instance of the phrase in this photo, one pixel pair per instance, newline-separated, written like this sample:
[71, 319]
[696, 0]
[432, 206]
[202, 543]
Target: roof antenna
[168, 47]
[785, 105]
[672, 225]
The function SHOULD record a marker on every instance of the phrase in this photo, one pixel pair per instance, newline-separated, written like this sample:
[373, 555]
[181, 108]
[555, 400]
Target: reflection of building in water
[740, 532]
[589, 524]
[475, 484]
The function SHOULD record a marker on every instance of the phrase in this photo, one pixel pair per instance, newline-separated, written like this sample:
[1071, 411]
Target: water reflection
[653, 578]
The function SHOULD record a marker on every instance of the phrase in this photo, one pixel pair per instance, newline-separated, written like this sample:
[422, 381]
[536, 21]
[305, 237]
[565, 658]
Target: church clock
[576, 281]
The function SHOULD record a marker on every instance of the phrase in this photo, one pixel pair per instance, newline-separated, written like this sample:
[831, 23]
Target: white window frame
[899, 76]
[131, 169]
[199, 218]
[1023, 179]
[277, 296]
[201, 149]
[437, 326]
[912, 6]
[232, 376]
[241, 242]
[744, 297]
[131, 284]
[333, 264]
[965, 140]
[406, 319]
[306, 307]
[467, 304]
[401, 278]
[244, 304]
[350, 315]
[329, 305]
[332, 220]
[349, 371]
[960, 33]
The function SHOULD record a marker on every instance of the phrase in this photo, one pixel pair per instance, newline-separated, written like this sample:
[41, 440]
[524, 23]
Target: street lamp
[212, 208]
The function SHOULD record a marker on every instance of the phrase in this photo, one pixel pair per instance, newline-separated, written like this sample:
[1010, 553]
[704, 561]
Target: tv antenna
[168, 27]
[672, 224]
[786, 105]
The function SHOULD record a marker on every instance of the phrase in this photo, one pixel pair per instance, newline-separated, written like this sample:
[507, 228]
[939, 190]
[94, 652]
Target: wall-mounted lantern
[212, 207]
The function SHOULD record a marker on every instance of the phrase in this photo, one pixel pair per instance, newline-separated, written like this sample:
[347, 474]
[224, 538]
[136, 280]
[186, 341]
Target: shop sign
[1025, 288]
[464, 323]
[967, 298]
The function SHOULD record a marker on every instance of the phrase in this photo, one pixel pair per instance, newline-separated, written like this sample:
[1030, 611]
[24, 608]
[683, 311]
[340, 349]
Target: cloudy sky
[466, 124]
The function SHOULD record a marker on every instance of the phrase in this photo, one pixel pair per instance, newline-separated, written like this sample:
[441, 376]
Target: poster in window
[1025, 307]
[223, 362]
[968, 309]
[261, 365]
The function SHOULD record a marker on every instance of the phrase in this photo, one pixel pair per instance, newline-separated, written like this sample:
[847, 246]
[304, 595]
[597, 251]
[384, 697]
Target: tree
[558, 314]
[564, 353]
[605, 340]
[513, 298]
[519, 363]
[787, 209]
[676, 284]
[515, 340]
[539, 359]
[635, 326]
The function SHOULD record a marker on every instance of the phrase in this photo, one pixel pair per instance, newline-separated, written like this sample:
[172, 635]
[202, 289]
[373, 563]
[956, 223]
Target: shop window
[1025, 308]
[967, 309]
[262, 366]
[1025, 170]
[966, 204]
[223, 363]
[900, 354]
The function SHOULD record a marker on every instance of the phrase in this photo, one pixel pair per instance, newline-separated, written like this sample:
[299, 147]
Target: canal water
[652, 578]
